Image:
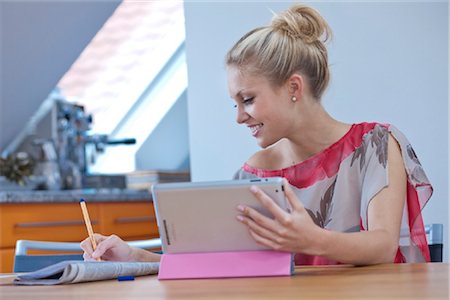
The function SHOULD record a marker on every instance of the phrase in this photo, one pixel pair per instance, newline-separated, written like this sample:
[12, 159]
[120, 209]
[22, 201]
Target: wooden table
[390, 281]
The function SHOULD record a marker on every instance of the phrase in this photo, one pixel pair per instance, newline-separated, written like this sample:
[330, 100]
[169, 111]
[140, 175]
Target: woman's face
[261, 107]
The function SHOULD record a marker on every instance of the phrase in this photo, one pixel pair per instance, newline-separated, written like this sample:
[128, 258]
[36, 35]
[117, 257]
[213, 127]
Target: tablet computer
[201, 216]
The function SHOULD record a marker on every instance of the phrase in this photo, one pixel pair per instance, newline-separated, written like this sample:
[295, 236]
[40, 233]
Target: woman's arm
[113, 248]
[296, 232]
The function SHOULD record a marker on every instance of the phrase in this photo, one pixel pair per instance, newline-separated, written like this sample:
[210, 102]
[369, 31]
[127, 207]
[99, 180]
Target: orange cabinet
[64, 222]
[6, 260]
[44, 221]
[130, 221]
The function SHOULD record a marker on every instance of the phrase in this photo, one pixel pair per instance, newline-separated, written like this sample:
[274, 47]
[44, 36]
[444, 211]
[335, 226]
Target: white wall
[167, 147]
[389, 63]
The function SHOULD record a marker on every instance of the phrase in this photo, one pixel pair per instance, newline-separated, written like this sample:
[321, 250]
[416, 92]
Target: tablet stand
[225, 264]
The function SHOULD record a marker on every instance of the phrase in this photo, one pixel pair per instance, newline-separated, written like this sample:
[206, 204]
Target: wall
[167, 147]
[39, 42]
[389, 63]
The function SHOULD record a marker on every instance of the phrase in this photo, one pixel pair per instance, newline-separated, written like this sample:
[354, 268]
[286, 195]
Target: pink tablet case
[225, 264]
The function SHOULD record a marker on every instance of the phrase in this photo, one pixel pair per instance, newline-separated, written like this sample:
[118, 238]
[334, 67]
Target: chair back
[435, 237]
[28, 263]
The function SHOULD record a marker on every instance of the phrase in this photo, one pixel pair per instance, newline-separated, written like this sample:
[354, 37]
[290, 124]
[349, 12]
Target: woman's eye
[248, 101]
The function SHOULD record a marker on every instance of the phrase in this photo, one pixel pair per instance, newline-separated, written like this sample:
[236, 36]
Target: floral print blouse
[337, 185]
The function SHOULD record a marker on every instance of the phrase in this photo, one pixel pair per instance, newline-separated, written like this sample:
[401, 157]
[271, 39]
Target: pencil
[87, 221]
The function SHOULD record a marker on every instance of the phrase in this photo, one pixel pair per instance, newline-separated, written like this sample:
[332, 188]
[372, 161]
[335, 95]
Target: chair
[435, 235]
[28, 263]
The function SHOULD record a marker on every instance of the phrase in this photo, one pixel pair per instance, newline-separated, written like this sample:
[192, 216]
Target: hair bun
[302, 22]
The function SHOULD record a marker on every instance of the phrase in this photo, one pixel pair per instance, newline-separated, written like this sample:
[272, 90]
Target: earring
[294, 98]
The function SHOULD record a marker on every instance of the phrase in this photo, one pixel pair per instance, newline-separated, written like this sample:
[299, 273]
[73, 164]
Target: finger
[253, 226]
[99, 237]
[251, 214]
[104, 245]
[261, 240]
[260, 234]
[268, 203]
[292, 199]
[276, 236]
[86, 245]
[87, 257]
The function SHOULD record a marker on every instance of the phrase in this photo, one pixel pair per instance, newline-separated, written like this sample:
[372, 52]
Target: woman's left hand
[292, 231]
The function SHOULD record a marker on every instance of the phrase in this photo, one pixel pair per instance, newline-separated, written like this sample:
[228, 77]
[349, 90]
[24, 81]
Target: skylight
[130, 74]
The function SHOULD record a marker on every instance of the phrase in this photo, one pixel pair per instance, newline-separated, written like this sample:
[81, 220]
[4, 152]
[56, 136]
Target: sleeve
[413, 242]
[374, 168]
[413, 245]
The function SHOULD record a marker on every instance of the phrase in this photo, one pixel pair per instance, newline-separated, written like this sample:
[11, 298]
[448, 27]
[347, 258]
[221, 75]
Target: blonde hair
[293, 42]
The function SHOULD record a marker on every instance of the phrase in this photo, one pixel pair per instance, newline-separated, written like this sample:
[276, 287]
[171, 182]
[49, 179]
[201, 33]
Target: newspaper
[74, 271]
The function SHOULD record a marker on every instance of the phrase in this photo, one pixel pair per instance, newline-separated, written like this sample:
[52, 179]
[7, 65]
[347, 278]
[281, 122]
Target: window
[130, 75]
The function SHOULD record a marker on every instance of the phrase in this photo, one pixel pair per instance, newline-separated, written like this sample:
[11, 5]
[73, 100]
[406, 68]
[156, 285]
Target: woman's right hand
[110, 248]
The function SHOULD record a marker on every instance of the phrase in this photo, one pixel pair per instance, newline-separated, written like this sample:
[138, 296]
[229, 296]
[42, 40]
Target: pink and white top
[337, 185]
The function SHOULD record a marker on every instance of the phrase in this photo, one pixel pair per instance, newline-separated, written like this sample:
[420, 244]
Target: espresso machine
[57, 137]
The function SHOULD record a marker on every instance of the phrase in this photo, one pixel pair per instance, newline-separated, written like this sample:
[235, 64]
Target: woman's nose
[241, 116]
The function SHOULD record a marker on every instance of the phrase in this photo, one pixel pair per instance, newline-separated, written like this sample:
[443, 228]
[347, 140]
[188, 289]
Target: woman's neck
[316, 133]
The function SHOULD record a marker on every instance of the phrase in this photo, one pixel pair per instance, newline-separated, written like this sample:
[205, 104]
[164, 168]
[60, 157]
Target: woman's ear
[296, 85]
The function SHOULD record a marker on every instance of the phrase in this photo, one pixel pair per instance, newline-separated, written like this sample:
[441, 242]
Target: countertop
[90, 195]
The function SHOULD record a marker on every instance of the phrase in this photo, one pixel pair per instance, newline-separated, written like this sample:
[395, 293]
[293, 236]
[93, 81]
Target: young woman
[356, 190]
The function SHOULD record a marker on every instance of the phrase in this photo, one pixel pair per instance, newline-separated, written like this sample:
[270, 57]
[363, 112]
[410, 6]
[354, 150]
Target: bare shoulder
[257, 159]
[269, 158]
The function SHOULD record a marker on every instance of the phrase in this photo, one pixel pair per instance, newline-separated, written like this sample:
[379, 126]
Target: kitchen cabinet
[53, 221]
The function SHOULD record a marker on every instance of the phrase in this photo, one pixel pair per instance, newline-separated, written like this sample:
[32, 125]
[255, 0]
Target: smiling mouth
[255, 128]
